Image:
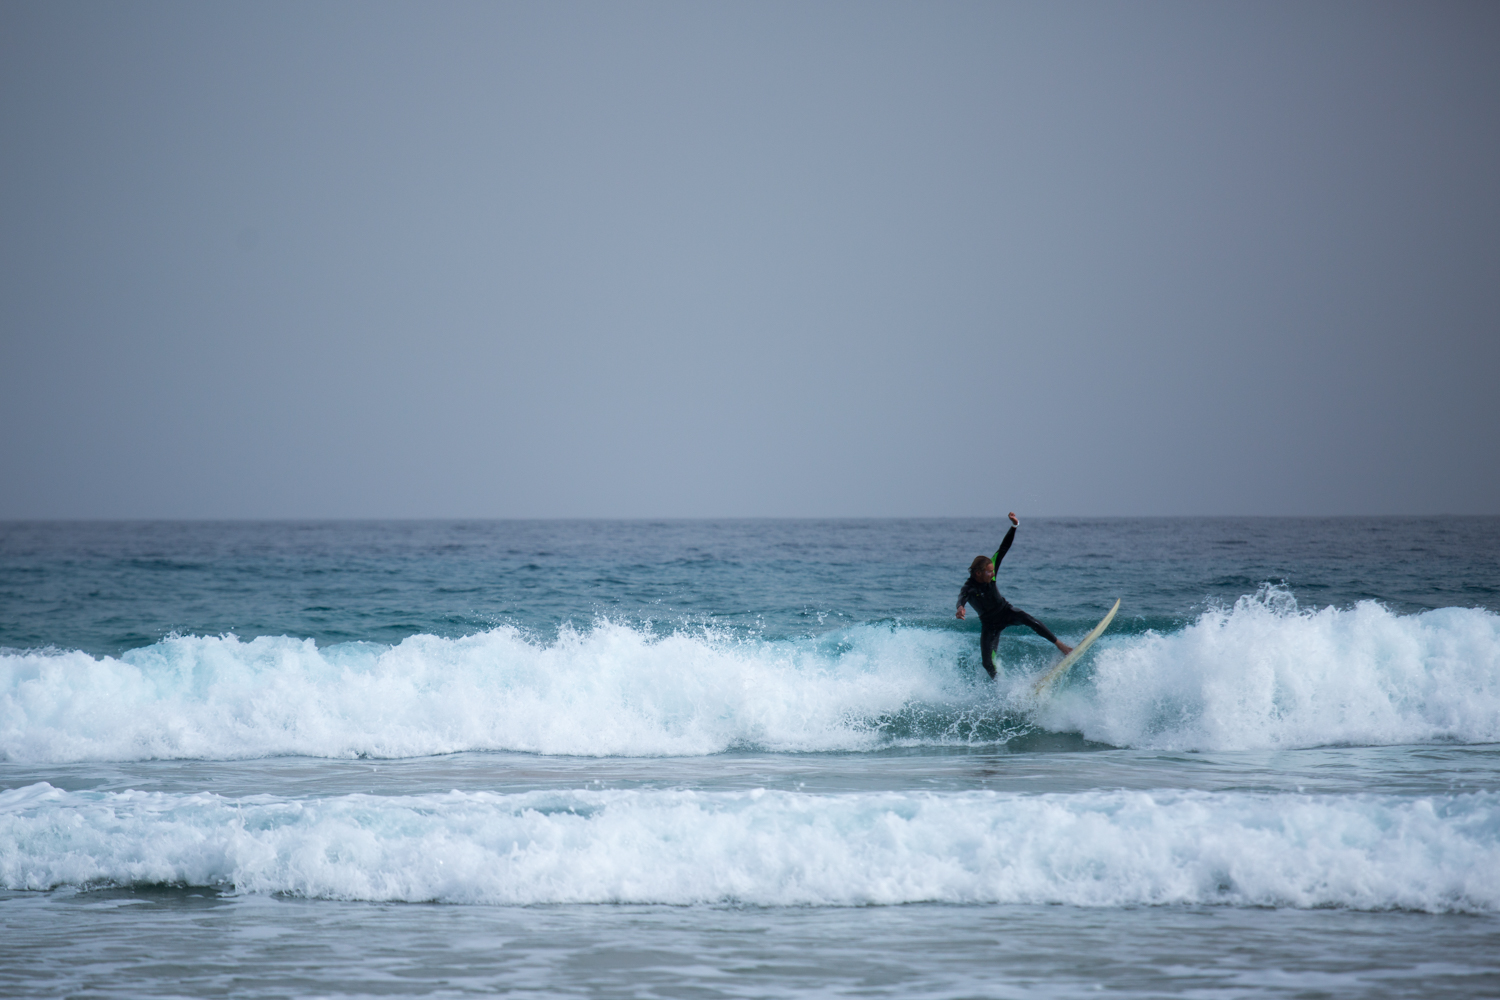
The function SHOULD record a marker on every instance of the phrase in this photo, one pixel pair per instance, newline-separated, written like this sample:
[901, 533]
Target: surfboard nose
[1067, 661]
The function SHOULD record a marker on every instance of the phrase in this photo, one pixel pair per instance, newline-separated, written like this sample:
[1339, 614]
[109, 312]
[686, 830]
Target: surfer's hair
[979, 563]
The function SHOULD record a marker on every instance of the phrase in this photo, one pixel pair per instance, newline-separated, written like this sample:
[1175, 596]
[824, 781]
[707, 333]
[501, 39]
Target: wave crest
[1266, 674]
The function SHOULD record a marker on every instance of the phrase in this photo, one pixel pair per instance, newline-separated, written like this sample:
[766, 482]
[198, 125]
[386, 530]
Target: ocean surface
[748, 759]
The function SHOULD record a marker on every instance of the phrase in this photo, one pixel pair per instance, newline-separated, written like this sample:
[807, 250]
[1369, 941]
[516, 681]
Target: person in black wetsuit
[995, 612]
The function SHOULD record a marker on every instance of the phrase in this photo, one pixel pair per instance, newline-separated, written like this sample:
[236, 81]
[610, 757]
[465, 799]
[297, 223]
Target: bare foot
[1065, 649]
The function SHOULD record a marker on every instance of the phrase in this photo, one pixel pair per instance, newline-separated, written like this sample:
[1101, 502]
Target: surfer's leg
[988, 637]
[1019, 617]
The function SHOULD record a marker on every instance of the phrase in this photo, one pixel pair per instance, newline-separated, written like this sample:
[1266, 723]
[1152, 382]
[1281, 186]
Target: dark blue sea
[748, 759]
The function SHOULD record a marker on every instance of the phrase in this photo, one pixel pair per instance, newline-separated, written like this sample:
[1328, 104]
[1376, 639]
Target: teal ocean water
[748, 758]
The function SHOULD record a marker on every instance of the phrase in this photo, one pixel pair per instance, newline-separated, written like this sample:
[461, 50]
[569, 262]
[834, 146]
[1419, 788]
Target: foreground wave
[1097, 849]
[1261, 674]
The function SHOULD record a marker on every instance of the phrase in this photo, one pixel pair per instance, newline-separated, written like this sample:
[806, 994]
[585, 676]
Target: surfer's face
[986, 573]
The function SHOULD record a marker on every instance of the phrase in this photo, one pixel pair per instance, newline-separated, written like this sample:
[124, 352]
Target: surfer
[995, 612]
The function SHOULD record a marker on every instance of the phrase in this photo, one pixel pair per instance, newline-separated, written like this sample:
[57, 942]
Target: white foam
[1098, 849]
[611, 691]
[1266, 674]
[1262, 674]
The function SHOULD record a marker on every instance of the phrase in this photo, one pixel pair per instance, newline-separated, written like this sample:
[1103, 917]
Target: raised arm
[1010, 536]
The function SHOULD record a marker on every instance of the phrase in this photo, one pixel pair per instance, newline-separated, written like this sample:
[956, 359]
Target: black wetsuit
[995, 612]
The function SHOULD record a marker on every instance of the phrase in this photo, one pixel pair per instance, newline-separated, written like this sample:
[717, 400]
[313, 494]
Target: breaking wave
[768, 848]
[1260, 674]
[1265, 674]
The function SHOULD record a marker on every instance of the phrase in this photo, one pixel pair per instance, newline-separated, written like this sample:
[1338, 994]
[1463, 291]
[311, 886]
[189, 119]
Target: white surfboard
[1078, 650]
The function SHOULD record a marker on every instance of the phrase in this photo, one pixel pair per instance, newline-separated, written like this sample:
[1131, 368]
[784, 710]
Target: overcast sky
[743, 259]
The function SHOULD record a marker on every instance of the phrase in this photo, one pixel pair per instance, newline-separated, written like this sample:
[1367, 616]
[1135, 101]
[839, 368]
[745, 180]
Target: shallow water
[194, 942]
[748, 759]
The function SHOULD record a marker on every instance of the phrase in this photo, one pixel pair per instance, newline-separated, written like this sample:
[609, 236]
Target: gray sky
[642, 259]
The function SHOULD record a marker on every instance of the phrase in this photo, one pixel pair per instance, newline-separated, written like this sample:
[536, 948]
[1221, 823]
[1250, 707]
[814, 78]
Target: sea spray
[1266, 674]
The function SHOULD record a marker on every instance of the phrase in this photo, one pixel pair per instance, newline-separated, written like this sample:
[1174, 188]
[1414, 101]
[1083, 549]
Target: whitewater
[663, 748]
[772, 848]
[1260, 674]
